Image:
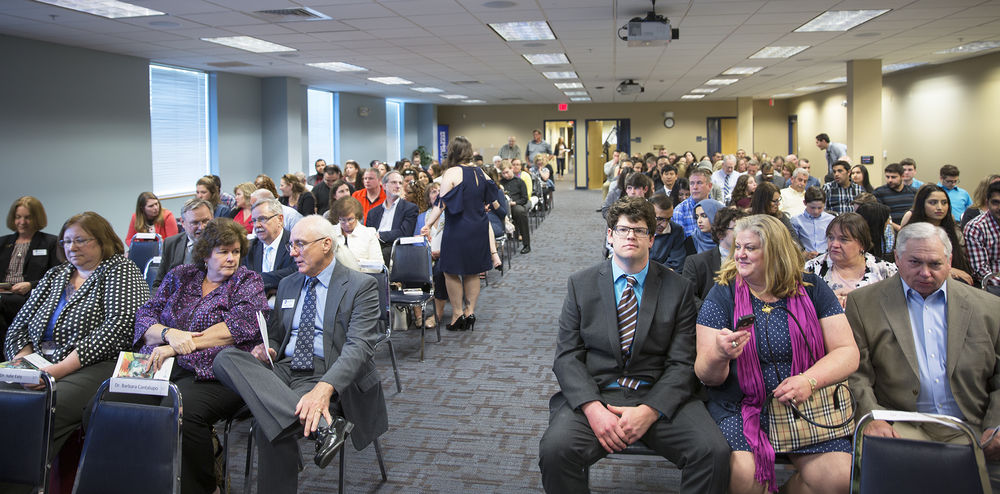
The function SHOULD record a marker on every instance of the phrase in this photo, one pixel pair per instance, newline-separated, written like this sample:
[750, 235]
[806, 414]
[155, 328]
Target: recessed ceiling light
[569, 85]
[721, 82]
[705, 90]
[546, 58]
[427, 89]
[575, 93]
[499, 4]
[581, 98]
[836, 80]
[560, 75]
[112, 9]
[393, 80]
[523, 31]
[818, 87]
[337, 66]
[454, 96]
[971, 47]
[743, 70]
[693, 96]
[784, 95]
[473, 101]
[900, 66]
[778, 51]
[249, 43]
[839, 20]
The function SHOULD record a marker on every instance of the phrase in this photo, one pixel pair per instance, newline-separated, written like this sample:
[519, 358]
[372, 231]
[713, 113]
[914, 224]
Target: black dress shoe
[526, 249]
[458, 325]
[330, 439]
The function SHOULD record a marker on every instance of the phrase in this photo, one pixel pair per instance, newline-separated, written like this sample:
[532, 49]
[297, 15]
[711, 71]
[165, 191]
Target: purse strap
[794, 407]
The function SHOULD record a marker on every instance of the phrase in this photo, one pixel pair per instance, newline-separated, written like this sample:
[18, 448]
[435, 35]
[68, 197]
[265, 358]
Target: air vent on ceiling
[228, 65]
[511, 99]
[291, 15]
[466, 83]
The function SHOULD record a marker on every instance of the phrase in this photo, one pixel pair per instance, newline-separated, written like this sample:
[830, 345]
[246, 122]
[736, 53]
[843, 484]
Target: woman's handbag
[827, 414]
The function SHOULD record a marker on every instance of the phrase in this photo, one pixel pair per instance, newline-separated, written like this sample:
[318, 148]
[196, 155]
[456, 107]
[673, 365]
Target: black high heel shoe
[470, 322]
[458, 325]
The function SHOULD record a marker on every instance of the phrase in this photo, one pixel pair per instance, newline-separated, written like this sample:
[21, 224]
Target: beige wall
[940, 114]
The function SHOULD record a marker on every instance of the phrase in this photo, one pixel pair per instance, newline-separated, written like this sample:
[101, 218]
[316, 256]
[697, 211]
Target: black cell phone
[745, 322]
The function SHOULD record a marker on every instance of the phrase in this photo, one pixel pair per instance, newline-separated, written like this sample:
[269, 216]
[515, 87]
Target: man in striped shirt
[841, 192]
[982, 238]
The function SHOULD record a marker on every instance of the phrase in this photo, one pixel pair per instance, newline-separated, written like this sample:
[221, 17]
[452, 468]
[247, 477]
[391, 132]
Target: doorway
[793, 134]
[603, 137]
[722, 135]
[565, 130]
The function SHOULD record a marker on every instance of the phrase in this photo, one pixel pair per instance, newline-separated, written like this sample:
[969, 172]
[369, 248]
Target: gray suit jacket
[888, 376]
[174, 248]
[588, 352]
[349, 338]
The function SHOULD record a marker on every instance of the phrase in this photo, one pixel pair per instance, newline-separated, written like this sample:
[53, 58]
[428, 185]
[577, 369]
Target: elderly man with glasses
[268, 252]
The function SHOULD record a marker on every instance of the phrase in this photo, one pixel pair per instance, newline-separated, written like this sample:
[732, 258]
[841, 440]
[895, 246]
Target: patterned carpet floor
[470, 416]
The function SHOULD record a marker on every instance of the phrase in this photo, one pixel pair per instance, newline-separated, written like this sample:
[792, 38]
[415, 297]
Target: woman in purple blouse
[200, 309]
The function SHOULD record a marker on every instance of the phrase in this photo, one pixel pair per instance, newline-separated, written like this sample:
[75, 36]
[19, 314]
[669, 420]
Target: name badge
[288, 303]
[39, 252]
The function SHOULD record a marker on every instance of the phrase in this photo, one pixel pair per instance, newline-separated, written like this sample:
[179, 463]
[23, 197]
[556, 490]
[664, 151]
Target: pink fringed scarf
[751, 378]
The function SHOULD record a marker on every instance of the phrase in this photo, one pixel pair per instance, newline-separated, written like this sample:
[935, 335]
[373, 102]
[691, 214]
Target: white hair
[800, 171]
[261, 194]
[271, 206]
[921, 231]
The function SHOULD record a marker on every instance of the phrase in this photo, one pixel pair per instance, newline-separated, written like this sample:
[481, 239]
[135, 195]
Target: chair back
[913, 466]
[382, 278]
[144, 247]
[130, 447]
[410, 263]
[150, 270]
[27, 433]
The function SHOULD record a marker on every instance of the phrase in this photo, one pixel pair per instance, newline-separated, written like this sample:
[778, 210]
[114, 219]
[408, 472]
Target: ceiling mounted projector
[629, 87]
[652, 30]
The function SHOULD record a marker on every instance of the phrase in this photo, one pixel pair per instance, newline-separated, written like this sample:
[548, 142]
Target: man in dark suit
[395, 217]
[700, 269]
[905, 324]
[268, 253]
[625, 366]
[195, 214]
[327, 368]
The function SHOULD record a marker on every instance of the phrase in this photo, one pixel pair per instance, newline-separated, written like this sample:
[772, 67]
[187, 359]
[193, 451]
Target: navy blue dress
[465, 242]
[724, 401]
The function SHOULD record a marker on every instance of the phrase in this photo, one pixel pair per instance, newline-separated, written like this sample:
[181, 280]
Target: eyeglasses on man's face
[298, 245]
[621, 231]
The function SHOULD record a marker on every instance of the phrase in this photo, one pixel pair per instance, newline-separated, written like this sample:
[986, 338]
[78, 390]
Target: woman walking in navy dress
[467, 242]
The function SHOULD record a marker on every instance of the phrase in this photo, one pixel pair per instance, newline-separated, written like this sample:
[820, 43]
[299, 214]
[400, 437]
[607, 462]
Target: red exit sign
[563, 106]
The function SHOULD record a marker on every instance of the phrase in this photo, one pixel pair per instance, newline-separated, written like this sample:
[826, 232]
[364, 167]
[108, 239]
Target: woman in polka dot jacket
[80, 316]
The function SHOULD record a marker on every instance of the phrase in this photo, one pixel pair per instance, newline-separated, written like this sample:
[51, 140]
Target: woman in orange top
[150, 217]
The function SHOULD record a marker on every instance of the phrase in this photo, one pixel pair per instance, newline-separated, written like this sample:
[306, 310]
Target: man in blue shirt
[700, 183]
[958, 197]
[928, 344]
[835, 152]
[810, 226]
[625, 365]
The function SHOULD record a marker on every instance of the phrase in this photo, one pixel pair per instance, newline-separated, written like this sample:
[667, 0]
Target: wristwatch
[163, 335]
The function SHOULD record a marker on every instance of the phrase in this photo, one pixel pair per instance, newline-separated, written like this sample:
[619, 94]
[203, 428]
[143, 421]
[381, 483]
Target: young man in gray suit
[928, 344]
[625, 366]
[326, 369]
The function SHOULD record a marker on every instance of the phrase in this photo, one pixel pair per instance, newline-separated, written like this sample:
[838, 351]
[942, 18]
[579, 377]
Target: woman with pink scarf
[743, 365]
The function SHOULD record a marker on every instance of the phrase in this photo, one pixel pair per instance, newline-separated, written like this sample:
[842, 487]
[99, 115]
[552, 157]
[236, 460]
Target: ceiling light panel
[743, 70]
[569, 85]
[523, 31]
[473, 101]
[836, 80]
[546, 58]
[693, 96]
[560, 75]
[427, 89]
[575, 93]
[839, 20]
[454, 96]
[393, 80]
[112, 9]
[721, 82]
[971, 47]
[581, 98]
[337, 66]
[705, 90]
[249, 43]
[900, 66]
[778, 51]
[784, 95]
[812, 88]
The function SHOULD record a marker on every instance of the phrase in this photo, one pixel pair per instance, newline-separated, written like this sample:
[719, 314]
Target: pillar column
[864, 113]
[282, 117]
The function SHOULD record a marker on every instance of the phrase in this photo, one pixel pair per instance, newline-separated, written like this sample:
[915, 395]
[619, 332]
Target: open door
[604, 137]
[565, 130]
